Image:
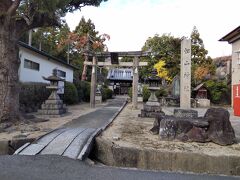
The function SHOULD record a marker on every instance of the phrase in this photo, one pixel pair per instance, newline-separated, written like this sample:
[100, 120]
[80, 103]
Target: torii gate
[135, 64]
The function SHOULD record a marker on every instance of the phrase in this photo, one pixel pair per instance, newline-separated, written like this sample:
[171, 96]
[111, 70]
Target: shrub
[70, 93]
[106, 93]
[83, 89]
[32, 95]
[161, 93]
[145, 91]
[219, 91]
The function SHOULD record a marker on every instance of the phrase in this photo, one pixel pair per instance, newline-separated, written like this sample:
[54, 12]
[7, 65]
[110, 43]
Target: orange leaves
[201, 72]
[80, 42]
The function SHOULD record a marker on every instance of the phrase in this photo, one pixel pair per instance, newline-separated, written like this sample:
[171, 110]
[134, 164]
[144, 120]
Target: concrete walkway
[74, 139]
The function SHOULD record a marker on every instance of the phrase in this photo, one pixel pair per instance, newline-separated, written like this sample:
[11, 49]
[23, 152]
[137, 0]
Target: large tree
[17, 17]
[165, 48]
[202, 65]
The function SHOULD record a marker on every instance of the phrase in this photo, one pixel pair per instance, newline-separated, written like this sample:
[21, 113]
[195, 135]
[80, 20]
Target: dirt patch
[129, 130]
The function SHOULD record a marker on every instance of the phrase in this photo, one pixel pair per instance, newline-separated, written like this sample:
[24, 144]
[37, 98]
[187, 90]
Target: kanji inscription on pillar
[185, 89]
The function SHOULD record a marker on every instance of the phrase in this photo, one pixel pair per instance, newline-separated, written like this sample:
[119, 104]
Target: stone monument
[98, 96]
[185, 79]
[152, 106]
[140, 92]
[53, 106]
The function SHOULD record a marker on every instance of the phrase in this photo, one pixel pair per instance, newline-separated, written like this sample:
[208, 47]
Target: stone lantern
[152, 107]
[53, 106]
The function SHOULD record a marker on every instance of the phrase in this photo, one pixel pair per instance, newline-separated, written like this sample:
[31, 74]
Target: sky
[130, 22]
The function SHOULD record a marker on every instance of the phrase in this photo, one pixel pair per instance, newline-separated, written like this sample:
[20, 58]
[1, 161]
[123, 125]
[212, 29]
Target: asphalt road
[52, 167]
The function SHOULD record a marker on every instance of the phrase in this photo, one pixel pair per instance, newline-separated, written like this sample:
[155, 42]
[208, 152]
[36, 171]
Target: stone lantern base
[151, 110]
[53, 106]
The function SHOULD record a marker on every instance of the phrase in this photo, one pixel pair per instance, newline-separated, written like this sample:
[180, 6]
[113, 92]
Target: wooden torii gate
[135, 64]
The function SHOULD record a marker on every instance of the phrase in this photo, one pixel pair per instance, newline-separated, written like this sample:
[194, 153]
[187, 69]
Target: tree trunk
[9, 65]
[84, 73]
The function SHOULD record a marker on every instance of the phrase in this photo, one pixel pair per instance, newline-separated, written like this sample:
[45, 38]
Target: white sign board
[60, 87]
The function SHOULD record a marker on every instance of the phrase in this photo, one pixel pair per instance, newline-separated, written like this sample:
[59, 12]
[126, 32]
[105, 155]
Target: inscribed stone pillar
[135, 82]
[93, 83]
[185, 80]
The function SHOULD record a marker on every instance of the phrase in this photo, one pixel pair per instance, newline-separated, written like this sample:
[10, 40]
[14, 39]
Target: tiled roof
[120, 74]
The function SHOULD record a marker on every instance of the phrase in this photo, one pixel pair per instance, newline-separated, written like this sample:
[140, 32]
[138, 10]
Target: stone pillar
[185, 80]
[135, 82]
[93, 82]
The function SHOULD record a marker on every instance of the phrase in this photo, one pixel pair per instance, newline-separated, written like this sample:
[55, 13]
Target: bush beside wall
[83, 90]
[106, 93]
[70, 93]
[32, 95]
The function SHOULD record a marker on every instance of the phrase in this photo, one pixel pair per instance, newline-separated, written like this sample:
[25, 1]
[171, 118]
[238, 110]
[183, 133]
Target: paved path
[75, 138]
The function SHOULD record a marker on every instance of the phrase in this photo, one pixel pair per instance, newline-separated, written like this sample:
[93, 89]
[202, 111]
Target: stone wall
[157, 159]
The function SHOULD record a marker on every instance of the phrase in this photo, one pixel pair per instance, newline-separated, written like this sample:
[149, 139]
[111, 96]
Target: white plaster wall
[235, 66]
[46, 67]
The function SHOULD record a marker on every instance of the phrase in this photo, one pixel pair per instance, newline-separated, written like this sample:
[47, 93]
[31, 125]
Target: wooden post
[135, 82]
[93, 82]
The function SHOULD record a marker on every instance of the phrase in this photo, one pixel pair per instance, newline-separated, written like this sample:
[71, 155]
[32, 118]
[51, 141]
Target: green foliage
[70, 93]
[32, 95]
[161, 93]
[127, 59]
[146, 93]
[198, 51]
[54, 7]
[48, 39]
[106, 93]
[219, 91]
[200, 60]
[130, 92]
[165, 47]
[83, 89]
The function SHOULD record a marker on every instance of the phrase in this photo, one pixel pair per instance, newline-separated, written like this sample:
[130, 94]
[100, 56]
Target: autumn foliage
[161, 70]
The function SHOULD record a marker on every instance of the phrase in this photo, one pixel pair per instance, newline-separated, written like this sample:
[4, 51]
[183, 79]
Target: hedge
[83, 90]
[70, 93]
[32, 95]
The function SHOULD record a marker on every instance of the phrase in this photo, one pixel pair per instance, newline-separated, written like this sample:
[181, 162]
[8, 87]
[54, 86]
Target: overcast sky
[130, 22]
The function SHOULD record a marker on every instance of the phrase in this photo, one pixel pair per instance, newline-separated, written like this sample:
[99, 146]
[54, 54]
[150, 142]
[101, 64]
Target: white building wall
[235, 65]
[45, 69]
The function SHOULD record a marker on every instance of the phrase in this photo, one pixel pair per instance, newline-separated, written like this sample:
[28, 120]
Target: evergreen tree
[200, 61]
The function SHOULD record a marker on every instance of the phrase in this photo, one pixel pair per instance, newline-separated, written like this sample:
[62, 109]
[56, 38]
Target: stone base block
[203, 103]
[52, 106]
[150, 114]
[52, 111]
[140, 99]
[151, 111]
[188, 113]
[153, 103]
[98, 99]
